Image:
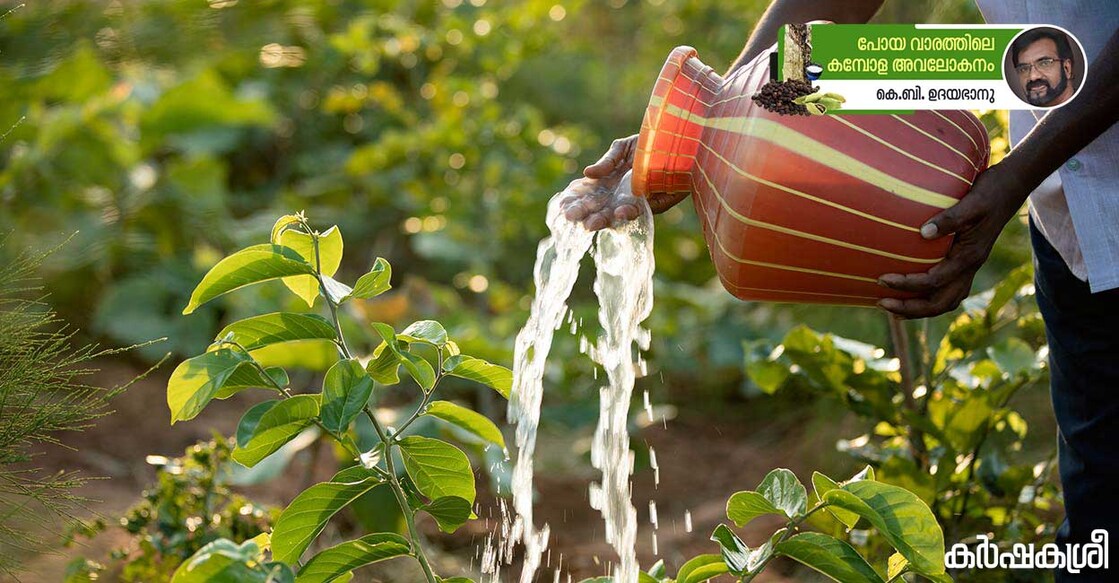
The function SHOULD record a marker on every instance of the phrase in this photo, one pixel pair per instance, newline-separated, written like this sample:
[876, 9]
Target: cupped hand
[976, 222]
[593, 200]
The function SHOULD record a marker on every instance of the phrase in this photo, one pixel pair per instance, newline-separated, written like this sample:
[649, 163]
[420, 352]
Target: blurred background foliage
[167, 133]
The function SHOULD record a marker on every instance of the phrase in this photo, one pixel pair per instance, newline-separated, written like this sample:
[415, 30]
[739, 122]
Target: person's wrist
[1012, 184]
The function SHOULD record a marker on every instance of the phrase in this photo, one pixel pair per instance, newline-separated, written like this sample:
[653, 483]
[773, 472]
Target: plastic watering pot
[809, 209]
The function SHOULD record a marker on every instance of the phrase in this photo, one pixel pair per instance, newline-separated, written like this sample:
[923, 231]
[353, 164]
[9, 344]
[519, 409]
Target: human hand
[592, 200]
[976, 222]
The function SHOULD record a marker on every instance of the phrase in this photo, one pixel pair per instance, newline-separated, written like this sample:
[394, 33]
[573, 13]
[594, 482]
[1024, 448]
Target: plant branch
[791, 528]
[900, 340]
[386, 440]
[401, 498]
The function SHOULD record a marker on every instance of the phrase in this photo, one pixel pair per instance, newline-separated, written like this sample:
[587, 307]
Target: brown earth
[703, 457]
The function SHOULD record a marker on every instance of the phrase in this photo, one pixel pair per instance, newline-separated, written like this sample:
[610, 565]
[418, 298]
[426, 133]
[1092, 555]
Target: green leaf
[260, 331]
[832, 557]
[900, 516]
[308, 514]
[249, 377]
[374, 283]
[336, 291]
[437, 468]
[222, 561]
[701, 568]
[246, 267]
[1013, 356]
[327, 262]
[823, 484]
[345, 392]
[276, 427]
[277, 573]
[315, 354]
[450, 512]
[471, 421]
[496, 377]
[340, 559]
[247, 426]
[735, 552]
[384, 368]
[782, 488]
[658, 571]
[1008, 288]
[282, 224]
[416, 366]
[895, 565]
[428, 331]
[744, 506]
[197, 380]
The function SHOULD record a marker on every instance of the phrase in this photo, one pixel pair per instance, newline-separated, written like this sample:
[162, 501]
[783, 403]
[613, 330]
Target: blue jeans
[1083, 333]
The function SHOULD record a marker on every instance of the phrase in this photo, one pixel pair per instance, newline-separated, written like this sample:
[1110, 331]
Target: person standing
[1066, 163]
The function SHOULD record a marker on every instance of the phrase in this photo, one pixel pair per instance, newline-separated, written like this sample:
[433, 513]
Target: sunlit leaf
[450, 512]
[327, 259]
[246, 267]
[267, 329]
[374, 283]
[496, 377]
[346, 390]
[437, 468]
[308, 514]
[467, 419]
[428, 331]
[832, 557]
[276, 426]
[340, 559]
[197, 380]
[900, 516]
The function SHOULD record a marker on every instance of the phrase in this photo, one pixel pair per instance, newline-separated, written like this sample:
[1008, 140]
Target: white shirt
[1077, 208]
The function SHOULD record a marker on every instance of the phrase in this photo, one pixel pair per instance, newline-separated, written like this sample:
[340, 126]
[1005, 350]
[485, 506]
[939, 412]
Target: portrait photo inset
[1044, 67]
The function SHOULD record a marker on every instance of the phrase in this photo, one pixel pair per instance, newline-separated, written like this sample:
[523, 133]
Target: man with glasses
[1042, 58]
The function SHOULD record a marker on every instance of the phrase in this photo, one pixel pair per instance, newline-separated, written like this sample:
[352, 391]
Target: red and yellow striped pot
[803, 208]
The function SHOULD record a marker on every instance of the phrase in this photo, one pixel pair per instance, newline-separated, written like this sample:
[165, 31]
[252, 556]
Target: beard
[1051, 93]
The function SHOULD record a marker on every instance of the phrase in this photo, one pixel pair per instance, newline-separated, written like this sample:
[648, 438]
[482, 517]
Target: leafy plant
[190, 506]
[437, 477]
[945, 431]
[899, 516]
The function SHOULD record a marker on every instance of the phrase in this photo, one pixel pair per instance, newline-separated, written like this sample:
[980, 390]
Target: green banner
[905, 52]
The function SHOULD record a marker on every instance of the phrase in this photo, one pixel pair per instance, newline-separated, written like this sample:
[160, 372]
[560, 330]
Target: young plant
[437, 477]
[899, 516]
[945, 430]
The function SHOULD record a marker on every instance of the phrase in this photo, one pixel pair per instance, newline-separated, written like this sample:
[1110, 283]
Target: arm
[596, 213]
[999, 192]
[782, 12]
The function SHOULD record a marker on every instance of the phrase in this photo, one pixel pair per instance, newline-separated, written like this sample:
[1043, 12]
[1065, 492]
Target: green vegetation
[165, 137]
[431, 475]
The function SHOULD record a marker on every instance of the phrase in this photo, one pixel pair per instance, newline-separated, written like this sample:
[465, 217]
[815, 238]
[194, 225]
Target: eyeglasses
[1044, 66]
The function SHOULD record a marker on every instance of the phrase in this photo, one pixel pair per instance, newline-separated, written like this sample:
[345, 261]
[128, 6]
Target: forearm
[782, 12]
[1065, 131]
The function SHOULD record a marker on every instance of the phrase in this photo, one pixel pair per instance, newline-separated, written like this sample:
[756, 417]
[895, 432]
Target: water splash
[623, 284]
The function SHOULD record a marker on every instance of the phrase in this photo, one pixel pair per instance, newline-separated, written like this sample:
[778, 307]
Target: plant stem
[401, 498]
[341, 338]
[790, 530]
[386, 440]
[900, 340]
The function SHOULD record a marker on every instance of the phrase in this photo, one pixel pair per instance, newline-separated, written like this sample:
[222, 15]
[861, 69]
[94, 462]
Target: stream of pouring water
[624, 286]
